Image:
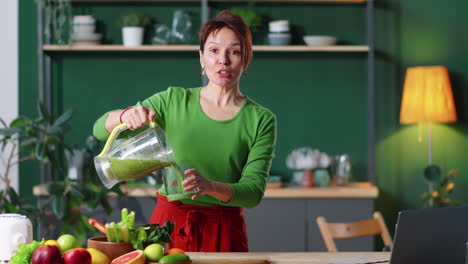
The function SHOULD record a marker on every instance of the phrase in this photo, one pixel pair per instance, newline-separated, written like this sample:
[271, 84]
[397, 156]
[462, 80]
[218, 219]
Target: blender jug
[135, 157]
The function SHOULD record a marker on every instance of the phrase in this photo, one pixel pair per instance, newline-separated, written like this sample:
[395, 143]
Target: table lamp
[427, 98]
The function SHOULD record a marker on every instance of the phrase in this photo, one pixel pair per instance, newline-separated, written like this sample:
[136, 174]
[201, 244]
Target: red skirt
[203, 229]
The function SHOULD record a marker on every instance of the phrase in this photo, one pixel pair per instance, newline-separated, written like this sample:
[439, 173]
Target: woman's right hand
[136, 117]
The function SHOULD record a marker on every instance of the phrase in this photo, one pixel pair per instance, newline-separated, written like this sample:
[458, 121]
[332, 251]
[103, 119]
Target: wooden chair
[368, 227]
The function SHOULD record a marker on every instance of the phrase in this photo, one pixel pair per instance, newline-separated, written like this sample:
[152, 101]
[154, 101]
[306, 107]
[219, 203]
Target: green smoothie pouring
[134, 157]
[138, 156]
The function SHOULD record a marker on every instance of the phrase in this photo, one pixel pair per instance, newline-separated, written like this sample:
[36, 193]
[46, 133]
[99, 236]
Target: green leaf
[40, 150]
[10, 208]
[6, 132]
[76, 191]
[432, 174]
[3, 122]
[21, 122]
[59, 206]
[43, 113]
[14, 198]
[28, 142]
[65, 117]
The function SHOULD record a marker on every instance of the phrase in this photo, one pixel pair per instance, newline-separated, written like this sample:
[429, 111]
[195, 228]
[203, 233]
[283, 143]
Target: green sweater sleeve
[158, 102]
[248, 192]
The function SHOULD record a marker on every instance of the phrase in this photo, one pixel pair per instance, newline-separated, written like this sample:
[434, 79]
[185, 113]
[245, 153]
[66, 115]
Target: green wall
[418, 33]
[319, 98]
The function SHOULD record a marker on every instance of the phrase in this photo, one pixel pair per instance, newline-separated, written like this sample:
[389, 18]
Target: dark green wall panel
[319, 98]
[418, 33]
[320, 103]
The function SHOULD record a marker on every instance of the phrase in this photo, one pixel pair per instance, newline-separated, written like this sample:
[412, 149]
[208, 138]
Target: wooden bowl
[111, 249]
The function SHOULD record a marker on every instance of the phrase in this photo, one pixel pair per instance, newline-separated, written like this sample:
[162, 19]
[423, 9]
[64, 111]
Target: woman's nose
[223, 59]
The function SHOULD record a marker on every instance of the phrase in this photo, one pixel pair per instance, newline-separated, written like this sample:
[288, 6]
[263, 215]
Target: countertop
[290, 257]
[353, 190]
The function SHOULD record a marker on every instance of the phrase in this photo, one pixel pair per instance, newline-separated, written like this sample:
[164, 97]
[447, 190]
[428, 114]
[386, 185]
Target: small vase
[132, 36]
[308, 179]
[322, 177]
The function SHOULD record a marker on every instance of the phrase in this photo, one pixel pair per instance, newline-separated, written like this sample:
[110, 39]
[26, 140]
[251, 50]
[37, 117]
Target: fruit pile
[66, 250]
[153, 253]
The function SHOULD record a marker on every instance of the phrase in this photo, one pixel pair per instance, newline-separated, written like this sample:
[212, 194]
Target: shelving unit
[46, 51]
[262, 1]
[156, 48]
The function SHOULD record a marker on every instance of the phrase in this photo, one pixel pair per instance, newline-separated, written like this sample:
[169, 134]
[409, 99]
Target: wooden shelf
[294, 48]
[265, 1]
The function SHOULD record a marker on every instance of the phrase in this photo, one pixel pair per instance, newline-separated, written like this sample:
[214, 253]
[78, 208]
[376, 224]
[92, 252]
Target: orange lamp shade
[427, 96]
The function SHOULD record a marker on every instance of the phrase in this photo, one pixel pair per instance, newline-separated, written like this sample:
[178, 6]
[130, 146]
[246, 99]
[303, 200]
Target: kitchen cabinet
[283, 222]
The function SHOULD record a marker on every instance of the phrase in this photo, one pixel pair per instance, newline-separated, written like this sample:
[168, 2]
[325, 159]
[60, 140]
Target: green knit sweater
[237, 151]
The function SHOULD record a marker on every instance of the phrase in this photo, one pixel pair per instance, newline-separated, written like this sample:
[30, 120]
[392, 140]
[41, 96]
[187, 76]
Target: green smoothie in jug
[126, 169]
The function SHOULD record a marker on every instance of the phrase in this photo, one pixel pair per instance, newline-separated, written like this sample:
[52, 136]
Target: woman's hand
[136, 117]
[195, 181]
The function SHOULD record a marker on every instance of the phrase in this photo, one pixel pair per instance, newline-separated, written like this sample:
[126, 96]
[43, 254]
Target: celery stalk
[117, 232]
[124, 235]
[124, 215]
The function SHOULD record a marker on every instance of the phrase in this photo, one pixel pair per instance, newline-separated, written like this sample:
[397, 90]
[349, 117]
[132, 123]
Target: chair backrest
[368, 227]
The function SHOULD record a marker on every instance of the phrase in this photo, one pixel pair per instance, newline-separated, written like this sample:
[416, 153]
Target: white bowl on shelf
[315, 40]
[279, 26]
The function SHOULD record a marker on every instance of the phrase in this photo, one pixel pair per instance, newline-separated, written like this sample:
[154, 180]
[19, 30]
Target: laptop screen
[431, 236]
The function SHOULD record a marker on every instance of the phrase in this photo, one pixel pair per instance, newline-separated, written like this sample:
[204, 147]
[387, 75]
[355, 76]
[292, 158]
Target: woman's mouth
[224, 74]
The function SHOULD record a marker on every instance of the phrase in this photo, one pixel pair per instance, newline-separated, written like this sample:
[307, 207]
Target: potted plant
[133, 24]
[251, 17]
[69, 200]
[36, 139]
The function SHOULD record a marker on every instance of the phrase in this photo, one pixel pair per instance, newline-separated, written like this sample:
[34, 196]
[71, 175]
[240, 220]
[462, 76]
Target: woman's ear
[201, 58]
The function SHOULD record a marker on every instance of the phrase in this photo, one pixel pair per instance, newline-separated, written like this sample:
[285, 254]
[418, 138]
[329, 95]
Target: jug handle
[114, 134]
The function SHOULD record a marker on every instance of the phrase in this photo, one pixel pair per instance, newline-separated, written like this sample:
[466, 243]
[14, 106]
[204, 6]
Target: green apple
[154, 252]
[67, 242]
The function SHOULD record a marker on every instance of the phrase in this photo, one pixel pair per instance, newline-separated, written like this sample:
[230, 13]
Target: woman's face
[222, 58]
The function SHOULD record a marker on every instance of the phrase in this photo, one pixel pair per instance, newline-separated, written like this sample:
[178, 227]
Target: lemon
[97, 257]
[52, 243]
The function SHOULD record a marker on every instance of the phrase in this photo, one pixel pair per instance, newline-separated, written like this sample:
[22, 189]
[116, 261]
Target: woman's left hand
[195, 181]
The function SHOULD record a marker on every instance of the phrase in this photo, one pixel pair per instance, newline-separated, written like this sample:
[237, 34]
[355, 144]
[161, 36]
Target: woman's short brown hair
[226, 19]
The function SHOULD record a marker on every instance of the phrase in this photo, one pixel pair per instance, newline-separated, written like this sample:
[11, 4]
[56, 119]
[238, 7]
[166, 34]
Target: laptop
[431, 236]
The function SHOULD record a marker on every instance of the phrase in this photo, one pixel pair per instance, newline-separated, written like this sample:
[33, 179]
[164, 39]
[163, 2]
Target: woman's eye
[235, 52]
[212, 50]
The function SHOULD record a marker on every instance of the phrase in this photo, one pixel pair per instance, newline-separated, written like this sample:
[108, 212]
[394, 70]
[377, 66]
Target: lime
[67, 242]
[154, 252]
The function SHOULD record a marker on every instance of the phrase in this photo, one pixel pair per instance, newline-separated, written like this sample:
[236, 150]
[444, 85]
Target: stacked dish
[83, 31]
[279, 33]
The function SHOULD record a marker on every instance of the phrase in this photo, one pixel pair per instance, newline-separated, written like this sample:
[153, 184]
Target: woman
[227, 138]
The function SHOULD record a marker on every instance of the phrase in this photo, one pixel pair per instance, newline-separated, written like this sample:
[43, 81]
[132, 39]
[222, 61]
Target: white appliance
[15, 229]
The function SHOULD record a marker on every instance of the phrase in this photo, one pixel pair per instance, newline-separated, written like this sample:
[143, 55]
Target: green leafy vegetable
[152, 233]
[24, 253]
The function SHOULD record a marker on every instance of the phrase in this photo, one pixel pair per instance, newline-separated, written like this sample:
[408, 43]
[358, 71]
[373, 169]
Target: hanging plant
[58, 20]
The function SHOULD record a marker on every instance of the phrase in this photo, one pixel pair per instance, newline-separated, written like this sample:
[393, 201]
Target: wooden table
[290, 257]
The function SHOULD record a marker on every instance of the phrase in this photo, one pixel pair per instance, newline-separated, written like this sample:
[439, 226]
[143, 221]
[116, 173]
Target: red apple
[47, 254]
[77, 256]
